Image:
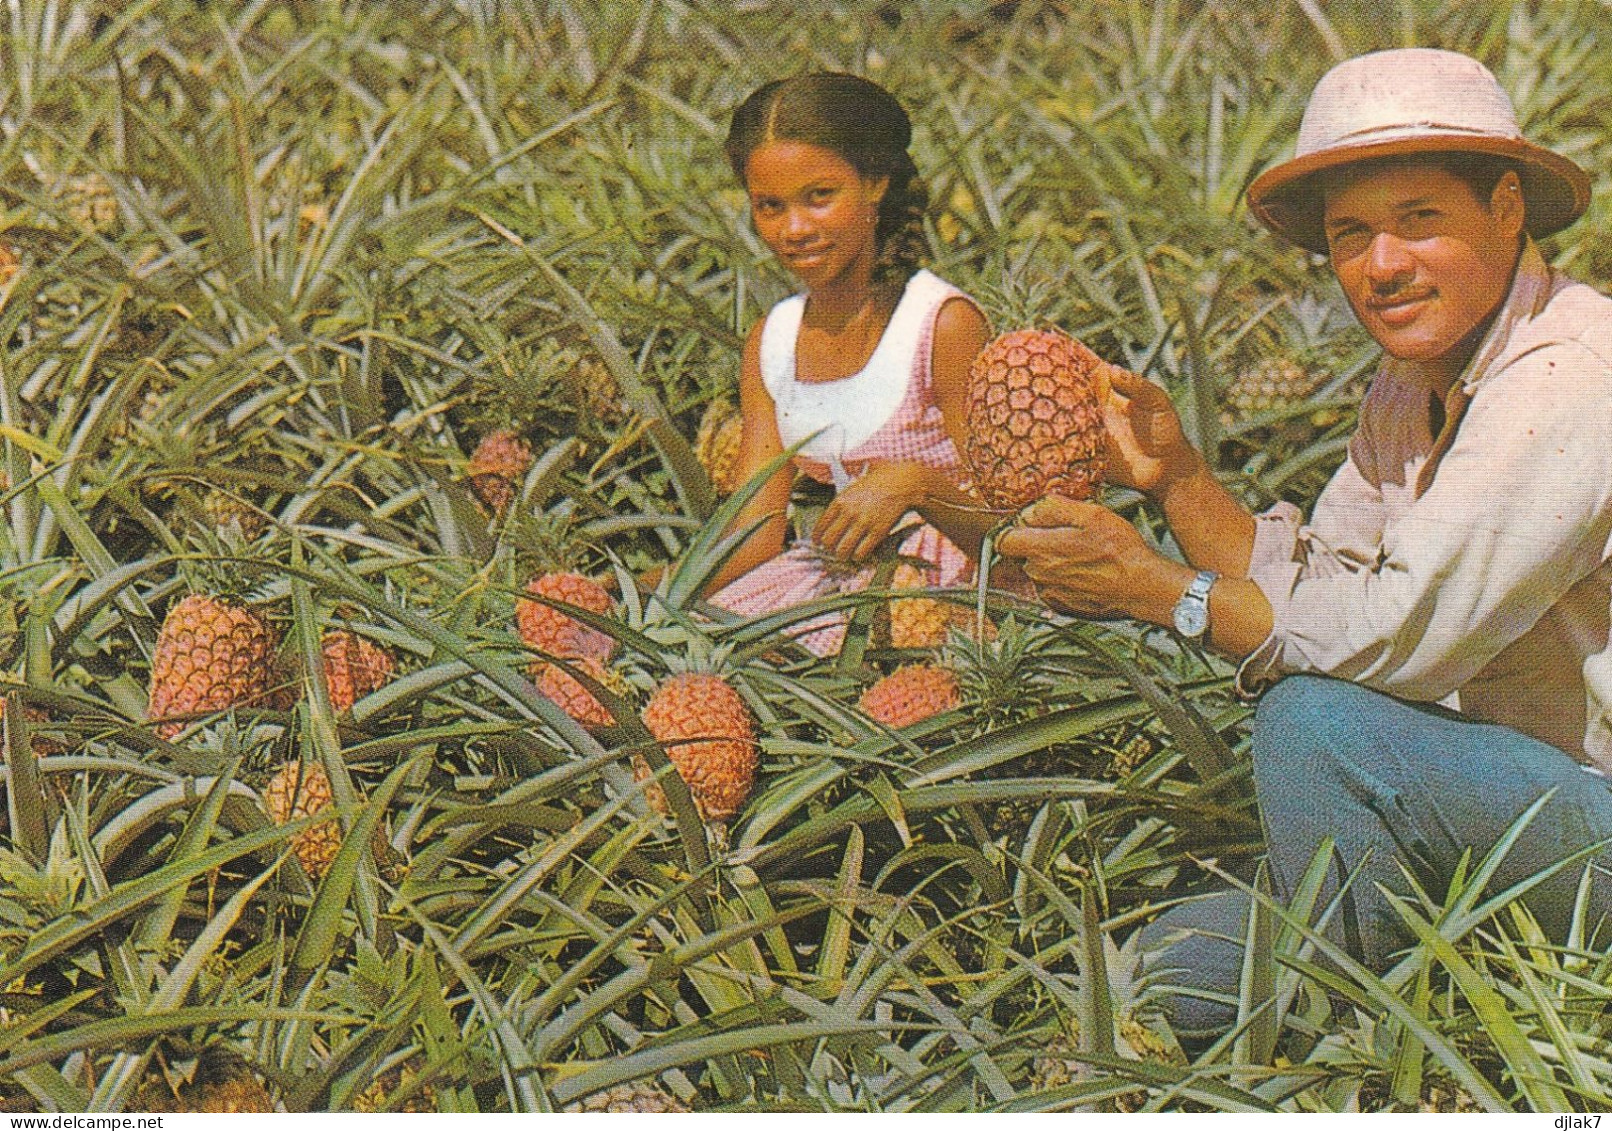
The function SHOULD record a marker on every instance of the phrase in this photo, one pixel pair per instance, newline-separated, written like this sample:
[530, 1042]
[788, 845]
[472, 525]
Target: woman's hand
[864, 512]
[1146, 445]
[1088, 562]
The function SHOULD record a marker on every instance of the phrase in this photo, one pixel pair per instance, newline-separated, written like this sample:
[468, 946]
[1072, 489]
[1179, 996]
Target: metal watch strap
[1192, 610]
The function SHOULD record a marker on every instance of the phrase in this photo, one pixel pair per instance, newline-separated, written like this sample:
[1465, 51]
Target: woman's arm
[759, 444]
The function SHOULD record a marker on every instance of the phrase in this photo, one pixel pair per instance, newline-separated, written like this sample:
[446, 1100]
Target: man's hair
[1480, 172]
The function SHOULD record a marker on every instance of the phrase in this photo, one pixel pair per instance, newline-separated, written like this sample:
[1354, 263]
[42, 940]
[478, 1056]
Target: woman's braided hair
[860, 121]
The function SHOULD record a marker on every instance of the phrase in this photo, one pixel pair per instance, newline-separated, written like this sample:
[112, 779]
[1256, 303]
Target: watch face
[1191, 618]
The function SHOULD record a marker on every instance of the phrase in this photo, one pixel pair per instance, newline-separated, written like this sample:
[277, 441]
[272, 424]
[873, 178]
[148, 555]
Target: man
[1439, 628]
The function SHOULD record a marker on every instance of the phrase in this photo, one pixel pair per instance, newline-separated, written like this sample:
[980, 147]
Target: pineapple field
[365, 445]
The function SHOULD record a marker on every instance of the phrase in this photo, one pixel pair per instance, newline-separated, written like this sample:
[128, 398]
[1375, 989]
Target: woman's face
[814, 210]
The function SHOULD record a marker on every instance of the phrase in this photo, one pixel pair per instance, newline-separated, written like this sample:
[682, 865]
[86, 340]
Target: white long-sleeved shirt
[1483, 577]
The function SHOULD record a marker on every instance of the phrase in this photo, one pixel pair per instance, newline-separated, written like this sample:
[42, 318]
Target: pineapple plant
[500, 460]
[298, 790]
[212, 653]
[549, 631]
[710, 737]
[354, 667]
[717, 444]
[216, 1080]
[1034, 423]
[640, 1096]
[911, 694]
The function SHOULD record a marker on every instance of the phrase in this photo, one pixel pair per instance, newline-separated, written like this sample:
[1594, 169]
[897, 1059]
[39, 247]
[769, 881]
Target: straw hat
[1410, 101]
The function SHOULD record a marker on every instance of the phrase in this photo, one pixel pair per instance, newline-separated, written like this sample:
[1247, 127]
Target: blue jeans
[1403, 787]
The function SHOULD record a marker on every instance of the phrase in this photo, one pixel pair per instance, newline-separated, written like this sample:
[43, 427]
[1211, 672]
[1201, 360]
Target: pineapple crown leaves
[1009, 677]
[555, 540]
[53, 887]
[521, 386]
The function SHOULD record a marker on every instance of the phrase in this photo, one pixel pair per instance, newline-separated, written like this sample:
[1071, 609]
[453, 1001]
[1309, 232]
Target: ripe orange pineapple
[550, 631]
[212, 653]
[9, 264]
[573, 698]
[497, 466]
[911, 694]
[710, 736]
[1034, 423]
[354, 667]
[219, 1080]
[298, 790]
[717, 445]
[923, 622]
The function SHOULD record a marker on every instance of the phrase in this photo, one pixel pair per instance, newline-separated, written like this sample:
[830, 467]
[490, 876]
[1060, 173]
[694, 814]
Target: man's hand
[1088, 562]
[1146, 445]
[864, 512]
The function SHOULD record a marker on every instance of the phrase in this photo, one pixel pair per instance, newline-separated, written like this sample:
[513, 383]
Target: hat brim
[1287, 198]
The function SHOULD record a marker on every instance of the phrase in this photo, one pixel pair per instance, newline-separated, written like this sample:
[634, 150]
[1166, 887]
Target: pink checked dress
[887, 411]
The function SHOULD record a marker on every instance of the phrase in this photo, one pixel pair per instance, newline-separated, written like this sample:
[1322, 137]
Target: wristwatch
[1192, 610]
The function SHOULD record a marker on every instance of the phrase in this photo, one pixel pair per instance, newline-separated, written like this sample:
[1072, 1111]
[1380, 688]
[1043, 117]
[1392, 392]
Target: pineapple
[42, 746]
[396, 1079]
[593, 389]
[218, 1080]
[1270, 383]
[710, 736]
[10, 264]
[916, 622]
[354, 667]
[551, 632]
[231, 514]
[1034, 424]
[640, 1096]
[911, 694]
[923, 622]
[212, 653]
[91, 203]
[1132, 755]
[717, 445]
[303, 789]
[571, 696]
[496, 467]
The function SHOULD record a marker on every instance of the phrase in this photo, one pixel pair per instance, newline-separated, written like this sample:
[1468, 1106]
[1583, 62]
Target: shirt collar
[1531, 289]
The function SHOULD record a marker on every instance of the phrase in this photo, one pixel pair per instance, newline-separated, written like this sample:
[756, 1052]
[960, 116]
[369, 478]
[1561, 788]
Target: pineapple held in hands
[717, 443]
[1035, 426]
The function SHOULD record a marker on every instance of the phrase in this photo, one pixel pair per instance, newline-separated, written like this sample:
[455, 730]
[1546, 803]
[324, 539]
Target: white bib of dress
[845, 413]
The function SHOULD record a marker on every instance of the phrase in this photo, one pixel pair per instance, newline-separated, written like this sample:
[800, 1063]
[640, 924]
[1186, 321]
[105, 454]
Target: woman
[868, 365]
